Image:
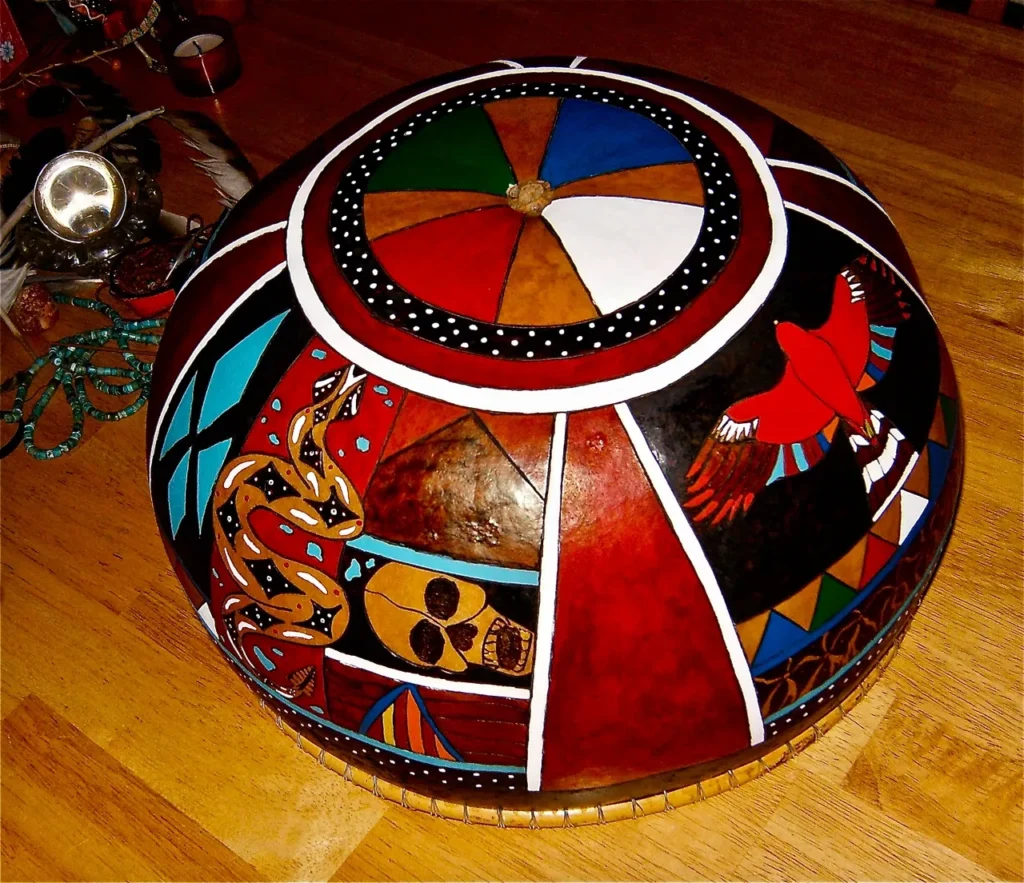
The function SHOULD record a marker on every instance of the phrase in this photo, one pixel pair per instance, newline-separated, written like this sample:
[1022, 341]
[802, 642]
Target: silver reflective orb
[79, 195]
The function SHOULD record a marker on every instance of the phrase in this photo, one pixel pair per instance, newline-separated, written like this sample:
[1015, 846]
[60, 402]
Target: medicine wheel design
[542, 236]
[541, 212]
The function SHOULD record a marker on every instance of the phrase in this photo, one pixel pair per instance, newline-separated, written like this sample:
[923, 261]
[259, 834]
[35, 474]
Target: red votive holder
[202, 56]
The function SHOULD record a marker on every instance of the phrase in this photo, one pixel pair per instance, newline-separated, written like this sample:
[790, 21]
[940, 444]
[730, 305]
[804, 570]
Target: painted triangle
[543, 287]
[833, 597]
[455, 492]
[912, 507]
[949, 412]
[385, 213]
[937, 432]
[428, 161]
[849, 568]
[800, 607]
[781, 639]
[592, 139]
[458, 262]
[419, 417]
[526, 440]
[621, 247]
[876, 556]
[918, 480]
[938, 457]
[524, 128]
[888, 525]
[751, 631]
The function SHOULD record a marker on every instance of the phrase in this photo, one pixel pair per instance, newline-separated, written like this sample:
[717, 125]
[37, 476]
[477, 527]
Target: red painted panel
[420, 416]
[526, 438]
[458, 263]
[483, 729]
[357, 444]
[268, 435]
[641, 681]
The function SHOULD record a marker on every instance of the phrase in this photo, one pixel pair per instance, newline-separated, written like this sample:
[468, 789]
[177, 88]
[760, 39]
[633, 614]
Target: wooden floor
[131, 751]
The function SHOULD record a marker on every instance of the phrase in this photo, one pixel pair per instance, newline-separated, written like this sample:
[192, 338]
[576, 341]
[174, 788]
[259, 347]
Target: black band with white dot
[379, 759]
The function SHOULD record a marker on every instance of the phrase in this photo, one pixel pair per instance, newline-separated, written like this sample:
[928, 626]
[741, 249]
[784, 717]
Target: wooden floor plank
[101, 821]
[957, 791]
[149, 687]
[824, 833]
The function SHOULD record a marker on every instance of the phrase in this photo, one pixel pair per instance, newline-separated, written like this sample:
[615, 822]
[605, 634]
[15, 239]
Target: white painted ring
[546, 401]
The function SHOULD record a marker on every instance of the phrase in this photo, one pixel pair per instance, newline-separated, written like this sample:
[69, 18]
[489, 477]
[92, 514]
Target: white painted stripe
[231, 246]
[832, 176]
[405, 677]
[214, 328]
[912, 507]
[234, 570]
[302, 516]
[542, 401]
[899, 486]
[312, 580]
[691, 546]
[577, 61]
[828, 222]
[507, 63]
[546, 613]
[230, 477]
[207, 618]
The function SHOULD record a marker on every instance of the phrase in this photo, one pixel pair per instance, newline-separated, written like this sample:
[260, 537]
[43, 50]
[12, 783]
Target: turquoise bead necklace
[72, 358]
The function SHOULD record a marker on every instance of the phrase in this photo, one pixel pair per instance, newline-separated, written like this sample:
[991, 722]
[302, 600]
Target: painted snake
[282, 597]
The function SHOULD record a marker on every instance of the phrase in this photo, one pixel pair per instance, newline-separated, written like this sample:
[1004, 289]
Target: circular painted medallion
[540, 240]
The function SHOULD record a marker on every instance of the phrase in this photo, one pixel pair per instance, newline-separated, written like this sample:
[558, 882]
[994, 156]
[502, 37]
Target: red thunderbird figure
[788, 429]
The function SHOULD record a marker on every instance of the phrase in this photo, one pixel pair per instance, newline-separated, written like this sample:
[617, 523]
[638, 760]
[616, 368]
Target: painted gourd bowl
[556, 441]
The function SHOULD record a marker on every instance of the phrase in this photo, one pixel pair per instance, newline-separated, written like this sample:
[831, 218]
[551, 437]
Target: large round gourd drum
[556, 441]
